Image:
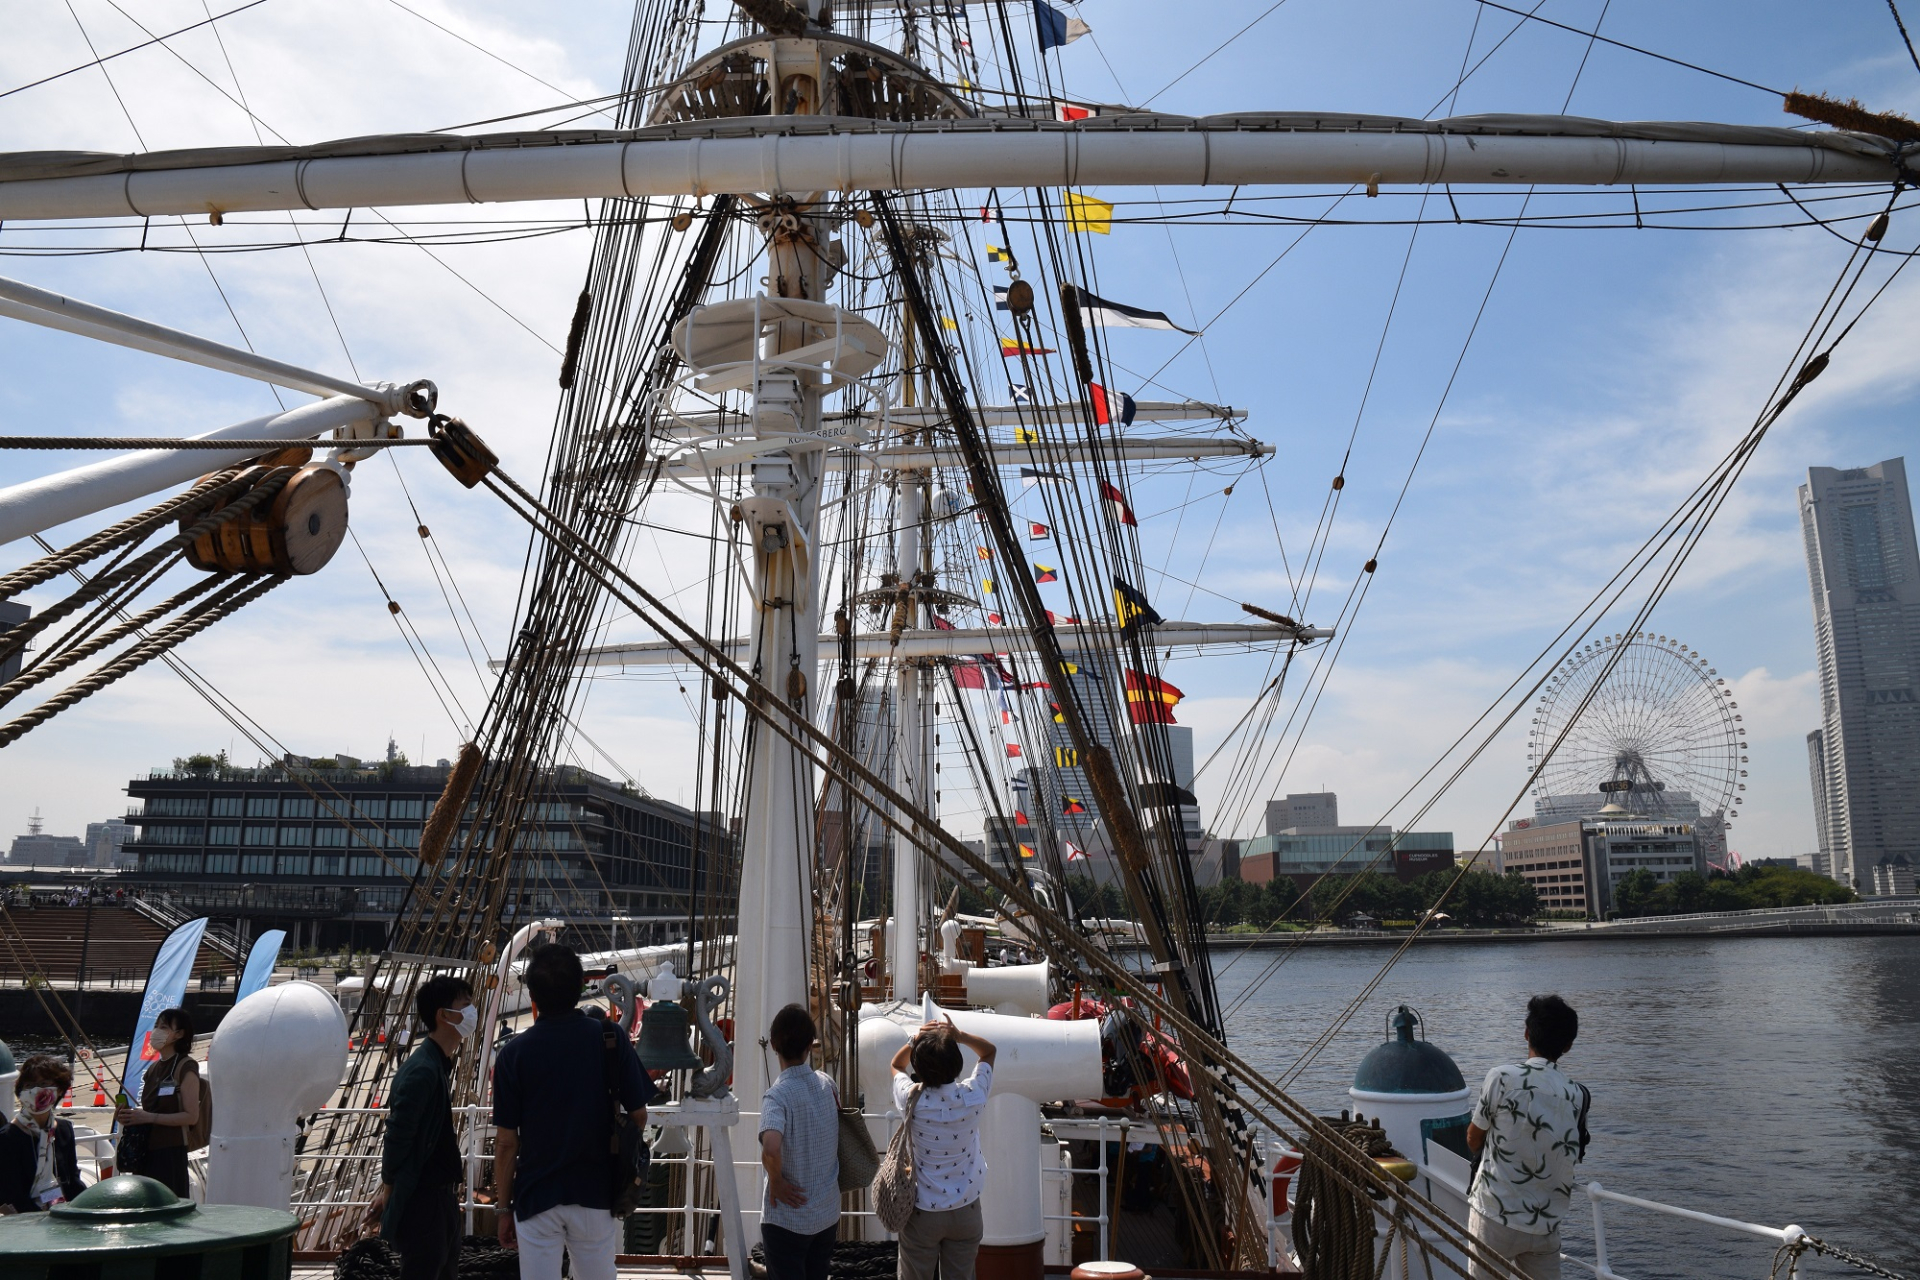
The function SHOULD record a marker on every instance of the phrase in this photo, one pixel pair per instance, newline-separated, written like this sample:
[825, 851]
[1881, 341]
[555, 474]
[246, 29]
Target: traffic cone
[99, 1095]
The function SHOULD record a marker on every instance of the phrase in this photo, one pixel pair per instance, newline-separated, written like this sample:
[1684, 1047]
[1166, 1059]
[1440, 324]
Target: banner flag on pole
[166, 988]
[1103, 406]
[1118, 315]
[1151, 699]
[1010, 347]
[1056, 28]
[1084, 213]
[261, 957]
[1131, 608]
[1116, 501]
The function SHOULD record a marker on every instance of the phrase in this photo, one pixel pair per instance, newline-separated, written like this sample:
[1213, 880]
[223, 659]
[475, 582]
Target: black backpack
[627, 1153]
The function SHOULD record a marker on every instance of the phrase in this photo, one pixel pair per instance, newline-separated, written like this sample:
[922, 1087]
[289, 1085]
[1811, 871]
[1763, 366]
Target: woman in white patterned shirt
[949, 1171]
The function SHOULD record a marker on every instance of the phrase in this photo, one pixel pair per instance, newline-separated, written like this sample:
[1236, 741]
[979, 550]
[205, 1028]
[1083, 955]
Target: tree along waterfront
[1640, 894]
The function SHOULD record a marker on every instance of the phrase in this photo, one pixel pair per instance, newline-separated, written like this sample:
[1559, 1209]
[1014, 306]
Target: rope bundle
[1332, 1221]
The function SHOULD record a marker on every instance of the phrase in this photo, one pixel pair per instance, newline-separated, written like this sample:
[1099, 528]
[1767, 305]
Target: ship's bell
[663, 1038]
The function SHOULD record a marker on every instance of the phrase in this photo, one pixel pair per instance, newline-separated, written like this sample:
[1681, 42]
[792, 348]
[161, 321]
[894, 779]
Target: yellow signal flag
[1066, 758]
[986, 585]
[1086, 214]
[1069, 668]
[948, 322]
[1026, 435]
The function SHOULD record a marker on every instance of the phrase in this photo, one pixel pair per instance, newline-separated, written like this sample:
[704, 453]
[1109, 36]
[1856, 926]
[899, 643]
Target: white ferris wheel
[1648, 717]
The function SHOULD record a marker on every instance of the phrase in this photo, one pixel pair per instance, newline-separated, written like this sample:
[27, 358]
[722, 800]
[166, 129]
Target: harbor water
[1770, 1080]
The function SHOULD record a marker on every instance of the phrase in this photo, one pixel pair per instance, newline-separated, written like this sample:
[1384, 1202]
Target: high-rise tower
[1864, 569]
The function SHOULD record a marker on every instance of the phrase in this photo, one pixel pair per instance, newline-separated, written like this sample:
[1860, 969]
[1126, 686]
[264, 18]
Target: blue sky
[1610, 370]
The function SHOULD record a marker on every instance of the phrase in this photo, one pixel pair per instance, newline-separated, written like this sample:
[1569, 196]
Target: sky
[1607, 373]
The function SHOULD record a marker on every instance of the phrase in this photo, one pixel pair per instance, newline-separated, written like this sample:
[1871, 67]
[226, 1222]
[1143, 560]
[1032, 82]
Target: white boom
[960, 642]
[802, 154]
[33, 506]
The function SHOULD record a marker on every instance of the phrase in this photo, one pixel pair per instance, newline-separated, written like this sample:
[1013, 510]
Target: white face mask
[468, 1020]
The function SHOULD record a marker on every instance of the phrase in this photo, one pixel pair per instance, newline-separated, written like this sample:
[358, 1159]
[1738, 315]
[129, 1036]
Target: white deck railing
[1600, 1265]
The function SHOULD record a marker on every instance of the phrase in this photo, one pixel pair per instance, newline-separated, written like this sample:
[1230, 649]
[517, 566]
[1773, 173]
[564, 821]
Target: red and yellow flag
[1150, 699]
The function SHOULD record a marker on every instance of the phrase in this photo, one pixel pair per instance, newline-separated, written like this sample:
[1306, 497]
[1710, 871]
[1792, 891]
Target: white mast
[910, 773]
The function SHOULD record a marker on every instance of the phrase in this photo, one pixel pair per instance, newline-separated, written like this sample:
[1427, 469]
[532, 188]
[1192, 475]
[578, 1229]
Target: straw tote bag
[893, 1186]
[859, 1159]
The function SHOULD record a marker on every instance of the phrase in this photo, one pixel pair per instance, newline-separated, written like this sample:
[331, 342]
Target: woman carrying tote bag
[942, 1143]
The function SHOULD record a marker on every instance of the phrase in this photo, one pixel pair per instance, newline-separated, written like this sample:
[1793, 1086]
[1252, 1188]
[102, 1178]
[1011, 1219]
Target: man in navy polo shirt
[552, 1171]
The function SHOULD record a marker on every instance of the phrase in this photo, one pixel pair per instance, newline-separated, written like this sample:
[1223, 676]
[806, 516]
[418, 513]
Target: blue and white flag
[261, 958]
[1056, 28]
[166, 988]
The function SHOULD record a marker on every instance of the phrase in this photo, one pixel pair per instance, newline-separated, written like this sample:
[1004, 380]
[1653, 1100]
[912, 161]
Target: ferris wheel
[1648, 718]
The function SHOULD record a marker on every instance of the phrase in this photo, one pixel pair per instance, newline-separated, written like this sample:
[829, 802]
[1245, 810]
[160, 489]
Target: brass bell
[663, 1038]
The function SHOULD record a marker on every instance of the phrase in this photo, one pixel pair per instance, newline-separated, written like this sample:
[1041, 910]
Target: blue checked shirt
[804, 1109]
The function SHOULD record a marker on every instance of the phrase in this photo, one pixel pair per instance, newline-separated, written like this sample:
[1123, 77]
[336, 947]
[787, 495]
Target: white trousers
[1536, 1256]
[588, 1234]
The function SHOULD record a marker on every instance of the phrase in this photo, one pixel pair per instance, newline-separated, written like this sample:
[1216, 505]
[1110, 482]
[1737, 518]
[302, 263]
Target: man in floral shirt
[1526, 1128]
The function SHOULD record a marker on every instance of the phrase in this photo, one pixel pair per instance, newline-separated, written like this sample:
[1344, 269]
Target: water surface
[1770, 1080]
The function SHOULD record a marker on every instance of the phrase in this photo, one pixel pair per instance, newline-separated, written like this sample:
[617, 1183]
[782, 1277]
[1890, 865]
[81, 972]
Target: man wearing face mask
[38, 1168]
[418, 1203]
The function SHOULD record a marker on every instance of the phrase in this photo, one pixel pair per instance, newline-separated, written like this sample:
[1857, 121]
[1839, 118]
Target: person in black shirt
[418, 1203]
[38, 1165]
[552, 1170]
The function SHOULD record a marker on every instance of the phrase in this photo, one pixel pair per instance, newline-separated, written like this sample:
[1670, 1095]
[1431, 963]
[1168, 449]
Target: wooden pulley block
[308, 521]
[460, 450]
[296, 532]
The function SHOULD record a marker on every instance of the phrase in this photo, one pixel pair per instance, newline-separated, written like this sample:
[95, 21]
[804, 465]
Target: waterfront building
[1577, 864]
[107, 843]
[1893, 877]
[1312, 843]
[1863, 567]
[1312, 810]
[38, 849]
[327, 848]
[1822, 821]
[1063, 798]
[1305, 856]
[1219, 861]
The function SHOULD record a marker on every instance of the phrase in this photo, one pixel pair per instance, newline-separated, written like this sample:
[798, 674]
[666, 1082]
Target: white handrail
[1599, 1196]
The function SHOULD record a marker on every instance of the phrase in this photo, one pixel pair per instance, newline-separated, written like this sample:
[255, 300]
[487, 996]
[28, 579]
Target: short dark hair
[437, 993]
[182, 1024]
[792, 1033]
[1551, 1026]
[44, 1068]
[936, 1057]
[554, 978]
